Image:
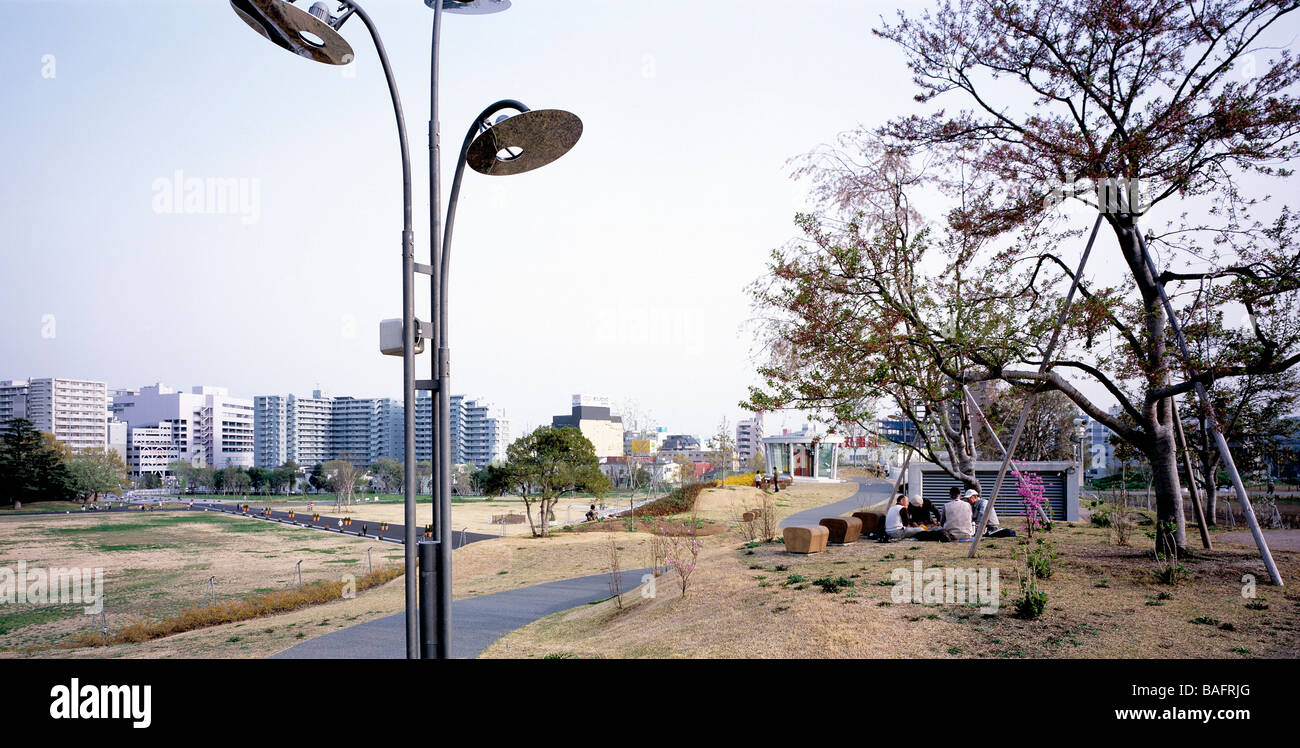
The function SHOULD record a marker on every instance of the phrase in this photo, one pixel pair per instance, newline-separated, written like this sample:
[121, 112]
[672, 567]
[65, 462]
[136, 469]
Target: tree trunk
[1168, 494]
[528, 510]
[1161, 450]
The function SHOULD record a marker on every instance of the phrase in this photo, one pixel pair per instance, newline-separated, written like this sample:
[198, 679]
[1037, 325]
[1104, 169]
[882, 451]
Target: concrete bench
[842, 530]
[806, 539]
[871, 522]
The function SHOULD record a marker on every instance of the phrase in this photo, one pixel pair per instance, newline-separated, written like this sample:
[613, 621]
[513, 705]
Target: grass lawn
[156, 563]
[1104, 602]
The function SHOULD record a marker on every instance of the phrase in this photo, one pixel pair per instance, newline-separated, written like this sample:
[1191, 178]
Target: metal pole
[428, 584]
[441, 431]
[1033, 394]
[408, 335]
[1210, 421]
[1191, 479]
[1001, 449]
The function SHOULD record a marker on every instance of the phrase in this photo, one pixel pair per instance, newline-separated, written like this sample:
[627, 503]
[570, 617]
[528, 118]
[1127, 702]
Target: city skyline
[637, 292]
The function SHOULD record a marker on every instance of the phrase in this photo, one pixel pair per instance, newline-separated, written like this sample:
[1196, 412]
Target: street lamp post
[511, 145]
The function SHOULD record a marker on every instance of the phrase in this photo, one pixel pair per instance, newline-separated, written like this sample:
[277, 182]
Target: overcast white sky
[619, 270]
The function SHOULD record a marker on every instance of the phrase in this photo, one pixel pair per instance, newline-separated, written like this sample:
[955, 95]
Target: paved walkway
[476, 621]
[1278, 540]
[870, 491]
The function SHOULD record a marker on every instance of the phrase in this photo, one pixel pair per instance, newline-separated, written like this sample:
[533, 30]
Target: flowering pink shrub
[1029, 486]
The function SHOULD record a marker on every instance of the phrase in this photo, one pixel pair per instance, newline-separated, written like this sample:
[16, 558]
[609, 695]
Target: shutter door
[935, 485]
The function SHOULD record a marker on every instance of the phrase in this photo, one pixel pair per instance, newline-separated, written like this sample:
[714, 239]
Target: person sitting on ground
[957, 523]
[992, 529]
[591, 515]
[895, 520]
[921, 511]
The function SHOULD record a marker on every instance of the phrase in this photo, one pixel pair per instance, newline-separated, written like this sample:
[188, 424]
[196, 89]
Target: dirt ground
[1105, 601]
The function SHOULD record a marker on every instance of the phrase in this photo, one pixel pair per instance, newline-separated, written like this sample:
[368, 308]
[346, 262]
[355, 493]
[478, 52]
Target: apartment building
[74, 410]
[480, 431]
[13, 401]
[749, 437]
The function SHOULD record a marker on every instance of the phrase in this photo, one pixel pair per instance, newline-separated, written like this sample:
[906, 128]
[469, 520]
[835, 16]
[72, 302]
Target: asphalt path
[870, 491]
[476, 621]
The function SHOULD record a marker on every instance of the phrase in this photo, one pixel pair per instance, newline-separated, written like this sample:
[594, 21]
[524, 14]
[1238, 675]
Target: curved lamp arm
[445, 260]
[353, 7]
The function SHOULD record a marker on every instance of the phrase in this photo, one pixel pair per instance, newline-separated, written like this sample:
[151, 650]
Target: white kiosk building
[804, 455]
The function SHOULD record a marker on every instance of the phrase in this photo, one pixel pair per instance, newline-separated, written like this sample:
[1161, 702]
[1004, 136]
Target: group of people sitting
[919, 519]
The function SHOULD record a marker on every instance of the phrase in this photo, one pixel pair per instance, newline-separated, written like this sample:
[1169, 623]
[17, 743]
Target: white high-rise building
[317, 429]
[480, 432]
[211, 427]
[74, 410]
[749, 437]
[310, 424]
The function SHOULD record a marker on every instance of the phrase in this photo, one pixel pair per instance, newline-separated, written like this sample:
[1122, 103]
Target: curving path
[479, 621]
[476, 621]
[870, 491]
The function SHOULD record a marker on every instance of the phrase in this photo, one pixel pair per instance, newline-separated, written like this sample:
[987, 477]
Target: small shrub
[794, 579]
[1171, 573]
[1205, 620]
[1257, 605]
[831, 586]
[1031, 604]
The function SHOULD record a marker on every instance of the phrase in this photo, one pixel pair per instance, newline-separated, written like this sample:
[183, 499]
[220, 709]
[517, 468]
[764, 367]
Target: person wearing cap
[921, 511]
[992, 529]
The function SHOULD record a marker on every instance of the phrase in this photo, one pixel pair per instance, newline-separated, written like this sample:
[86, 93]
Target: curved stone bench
[871, 522]
[806, 539]
[842, 530]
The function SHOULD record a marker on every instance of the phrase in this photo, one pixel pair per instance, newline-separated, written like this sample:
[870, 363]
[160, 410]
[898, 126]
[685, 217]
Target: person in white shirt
[894, 526]
[957, 518]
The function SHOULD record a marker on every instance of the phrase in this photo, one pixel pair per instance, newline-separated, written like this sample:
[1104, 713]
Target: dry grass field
[1104, 602]
[156, 563]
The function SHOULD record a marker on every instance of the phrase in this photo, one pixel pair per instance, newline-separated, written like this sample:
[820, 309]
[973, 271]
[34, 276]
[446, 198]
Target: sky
[620, 270]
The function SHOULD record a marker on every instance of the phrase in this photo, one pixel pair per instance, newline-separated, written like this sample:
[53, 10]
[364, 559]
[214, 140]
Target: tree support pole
[1191, 479]
[1033, 394]
[1211, 422]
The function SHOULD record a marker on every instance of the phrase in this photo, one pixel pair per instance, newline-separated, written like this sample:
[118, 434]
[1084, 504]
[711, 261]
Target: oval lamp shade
[524, 142]
[295, 29]
[471, 7]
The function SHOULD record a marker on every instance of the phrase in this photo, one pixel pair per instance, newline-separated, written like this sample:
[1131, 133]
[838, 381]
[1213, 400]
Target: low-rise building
[591, 415]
